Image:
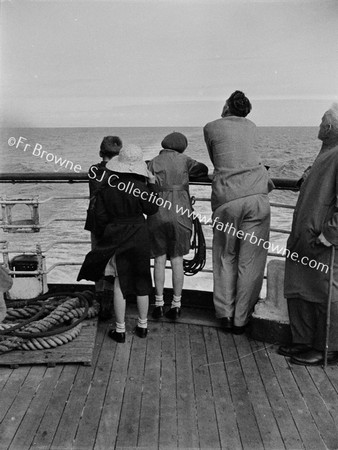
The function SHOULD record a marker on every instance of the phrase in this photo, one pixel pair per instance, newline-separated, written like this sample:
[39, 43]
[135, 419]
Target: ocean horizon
[285, 149]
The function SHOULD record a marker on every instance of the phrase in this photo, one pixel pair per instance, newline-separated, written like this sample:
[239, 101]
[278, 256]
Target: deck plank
[35, 412]
[168, 402]
[306, 427]
[264, 414]
[332, 374]
[150, 407]
[4, 376]
[206, 415]
[87, 430]
[286, 424]
[13, 418]
[130, 414]
[186, 407]
[326, 390]
[318, 410]
[71, 416]
[53, 414]
[11, 388]
[225, 411]
[246, 420]
[111, 410]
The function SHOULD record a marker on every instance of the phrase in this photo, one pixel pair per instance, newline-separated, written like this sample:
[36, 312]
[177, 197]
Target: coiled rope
[45, 322]
[196, 264]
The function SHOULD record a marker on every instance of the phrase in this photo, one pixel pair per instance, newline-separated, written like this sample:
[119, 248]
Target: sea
[288, 151]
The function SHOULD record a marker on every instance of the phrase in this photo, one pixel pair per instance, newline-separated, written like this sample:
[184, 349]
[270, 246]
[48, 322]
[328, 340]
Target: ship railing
[280, 184]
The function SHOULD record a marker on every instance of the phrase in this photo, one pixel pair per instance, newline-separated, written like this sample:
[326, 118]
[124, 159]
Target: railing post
[31, 224]
[5, 254]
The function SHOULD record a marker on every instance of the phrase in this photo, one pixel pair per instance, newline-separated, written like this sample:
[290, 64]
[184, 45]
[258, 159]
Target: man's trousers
[240, 246]
[308, 323]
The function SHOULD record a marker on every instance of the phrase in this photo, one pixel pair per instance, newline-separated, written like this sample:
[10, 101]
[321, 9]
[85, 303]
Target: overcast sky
[166, 62]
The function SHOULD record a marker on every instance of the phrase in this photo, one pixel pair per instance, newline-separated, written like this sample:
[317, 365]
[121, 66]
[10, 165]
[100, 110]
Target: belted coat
[123, 232]
[170, 228]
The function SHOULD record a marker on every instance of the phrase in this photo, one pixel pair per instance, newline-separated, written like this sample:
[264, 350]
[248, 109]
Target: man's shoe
[293, 349]
[173, 313]
[238, 330]
[227, 324]
[117, 337]
[141, 332]
[157, 312]
[314, 358]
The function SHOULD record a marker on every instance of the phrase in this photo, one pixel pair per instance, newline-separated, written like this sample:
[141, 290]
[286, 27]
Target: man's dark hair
[239, 104]
[110, 146]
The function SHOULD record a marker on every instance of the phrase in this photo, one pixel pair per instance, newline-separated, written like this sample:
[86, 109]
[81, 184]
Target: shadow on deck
[188, 385]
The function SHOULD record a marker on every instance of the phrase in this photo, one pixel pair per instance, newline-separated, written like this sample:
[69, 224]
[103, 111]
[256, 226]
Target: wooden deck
[187, 386]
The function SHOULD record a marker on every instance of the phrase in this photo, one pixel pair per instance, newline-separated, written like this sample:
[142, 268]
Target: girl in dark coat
[97, 176]
[123, 251]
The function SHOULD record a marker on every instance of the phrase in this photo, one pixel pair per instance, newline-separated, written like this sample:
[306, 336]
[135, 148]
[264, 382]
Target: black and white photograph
[169, 224]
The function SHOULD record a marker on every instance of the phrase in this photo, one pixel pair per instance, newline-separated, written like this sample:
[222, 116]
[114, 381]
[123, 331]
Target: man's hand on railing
[322, 240]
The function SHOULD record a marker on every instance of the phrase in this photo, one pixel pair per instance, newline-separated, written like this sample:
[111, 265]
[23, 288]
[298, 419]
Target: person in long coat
[122, 254]
[97, 177]
[240, 200]
[307, 270]
[170, 228]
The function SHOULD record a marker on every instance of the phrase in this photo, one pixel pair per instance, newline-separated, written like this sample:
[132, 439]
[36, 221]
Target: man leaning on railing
[239, 198]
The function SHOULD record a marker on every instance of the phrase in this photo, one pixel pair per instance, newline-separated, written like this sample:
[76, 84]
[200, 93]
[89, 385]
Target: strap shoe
[117, 337]
[173, 313]
[141, 332]
[157, 312]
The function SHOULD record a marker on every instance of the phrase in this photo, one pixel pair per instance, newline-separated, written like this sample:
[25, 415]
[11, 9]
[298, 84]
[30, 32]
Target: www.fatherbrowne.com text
[254, 240]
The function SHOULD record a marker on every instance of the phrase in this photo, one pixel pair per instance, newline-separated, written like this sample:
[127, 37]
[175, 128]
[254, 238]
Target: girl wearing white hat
[123, 252]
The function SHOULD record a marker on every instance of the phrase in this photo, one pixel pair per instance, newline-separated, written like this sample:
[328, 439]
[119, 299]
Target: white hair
[332, 114]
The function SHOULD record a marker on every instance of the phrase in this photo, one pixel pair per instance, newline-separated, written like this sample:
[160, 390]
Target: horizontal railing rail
[46, 177]
[58, 177]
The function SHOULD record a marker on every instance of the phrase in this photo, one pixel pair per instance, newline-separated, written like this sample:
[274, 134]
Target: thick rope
[41, 343]
[9, 343]
[61, 324]
[13, 327]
